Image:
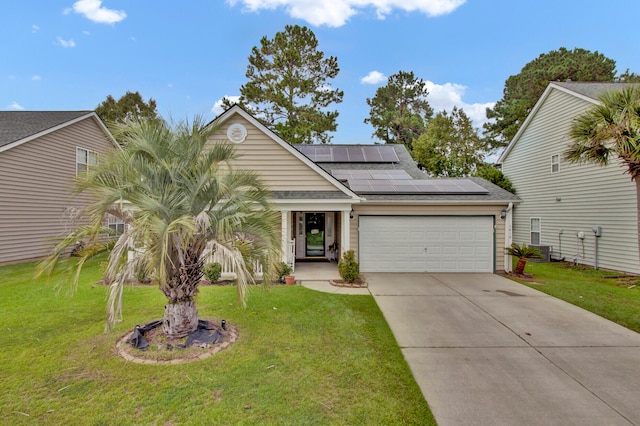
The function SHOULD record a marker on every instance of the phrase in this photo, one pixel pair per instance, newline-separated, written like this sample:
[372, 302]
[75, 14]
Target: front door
[314, 235]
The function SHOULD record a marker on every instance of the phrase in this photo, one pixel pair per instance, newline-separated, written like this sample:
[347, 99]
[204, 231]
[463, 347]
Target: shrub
[523, 253]
[348, 267]
[212, 271]
[282, 270]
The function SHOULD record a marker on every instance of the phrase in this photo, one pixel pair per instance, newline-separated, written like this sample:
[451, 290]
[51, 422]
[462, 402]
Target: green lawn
[611, 298]
[302, 357]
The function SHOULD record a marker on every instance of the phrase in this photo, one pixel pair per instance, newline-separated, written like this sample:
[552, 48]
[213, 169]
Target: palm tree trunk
[180, 318]
[522, 262]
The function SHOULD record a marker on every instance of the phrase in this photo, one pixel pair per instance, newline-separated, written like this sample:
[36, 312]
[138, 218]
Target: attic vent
[237, 133]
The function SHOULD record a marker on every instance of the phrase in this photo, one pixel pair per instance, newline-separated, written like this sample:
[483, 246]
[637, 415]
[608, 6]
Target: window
[535, 230]
[116, 224]
[555, 163]
[85, 159]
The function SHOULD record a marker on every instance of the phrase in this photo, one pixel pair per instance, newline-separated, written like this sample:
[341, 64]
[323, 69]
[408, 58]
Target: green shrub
[212, 271]
[282, 270]
[348, 267]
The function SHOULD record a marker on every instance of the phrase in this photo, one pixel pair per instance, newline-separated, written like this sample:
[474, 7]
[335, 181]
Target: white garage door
[426, 243]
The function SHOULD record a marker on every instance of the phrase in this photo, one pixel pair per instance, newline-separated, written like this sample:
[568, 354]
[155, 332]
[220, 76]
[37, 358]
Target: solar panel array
[400, 182]
[369, 174]
[349, 154]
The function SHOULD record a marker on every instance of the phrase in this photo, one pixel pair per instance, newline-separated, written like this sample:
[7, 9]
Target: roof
[405, 163]
[17, 125]
[588, 91]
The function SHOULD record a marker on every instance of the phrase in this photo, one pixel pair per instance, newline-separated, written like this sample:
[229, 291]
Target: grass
[302, 357]
[617, 299]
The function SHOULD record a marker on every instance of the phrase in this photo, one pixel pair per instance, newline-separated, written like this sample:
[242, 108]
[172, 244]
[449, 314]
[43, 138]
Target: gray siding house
[41, 152]
[564, 204]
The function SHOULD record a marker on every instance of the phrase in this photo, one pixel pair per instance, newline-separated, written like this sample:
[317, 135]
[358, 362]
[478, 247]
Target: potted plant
[284, 274]
[523, 253]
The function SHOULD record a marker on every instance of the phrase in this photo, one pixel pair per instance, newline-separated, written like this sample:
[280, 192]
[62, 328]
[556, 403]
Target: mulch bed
[163, 350]
[359, 283]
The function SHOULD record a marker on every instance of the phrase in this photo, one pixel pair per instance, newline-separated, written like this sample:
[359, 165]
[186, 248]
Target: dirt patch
[163, 350]
[359, 283]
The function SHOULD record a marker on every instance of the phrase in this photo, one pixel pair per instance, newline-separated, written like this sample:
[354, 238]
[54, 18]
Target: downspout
[508, 235]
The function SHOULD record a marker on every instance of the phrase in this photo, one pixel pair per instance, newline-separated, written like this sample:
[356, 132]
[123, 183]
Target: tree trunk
[522, 262]
[180, 318]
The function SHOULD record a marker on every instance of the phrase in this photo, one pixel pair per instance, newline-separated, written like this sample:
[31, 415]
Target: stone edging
[340, 283]
[121, 349]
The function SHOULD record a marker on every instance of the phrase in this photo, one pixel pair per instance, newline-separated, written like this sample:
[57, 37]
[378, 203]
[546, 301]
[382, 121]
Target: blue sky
[187, 55]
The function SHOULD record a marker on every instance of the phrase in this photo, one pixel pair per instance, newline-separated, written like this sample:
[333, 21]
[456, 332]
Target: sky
[188, 55]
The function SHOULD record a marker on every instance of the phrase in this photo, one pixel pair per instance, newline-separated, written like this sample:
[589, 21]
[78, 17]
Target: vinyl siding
[35, 184]
[416, 210]
[588, 194]
[280, 169]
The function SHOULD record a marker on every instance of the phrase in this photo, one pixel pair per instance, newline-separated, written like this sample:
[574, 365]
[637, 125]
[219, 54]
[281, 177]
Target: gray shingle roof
[590, 89]
[309, 195]
[17, 125]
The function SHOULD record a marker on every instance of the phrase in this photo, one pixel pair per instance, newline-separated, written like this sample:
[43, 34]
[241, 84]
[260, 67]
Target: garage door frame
[487, 216]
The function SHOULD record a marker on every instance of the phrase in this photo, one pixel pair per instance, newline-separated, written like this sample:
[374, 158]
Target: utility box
[545, 251]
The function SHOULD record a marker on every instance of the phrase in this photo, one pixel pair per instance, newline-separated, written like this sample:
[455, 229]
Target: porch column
[285, 237]
[345, 230]
[508, 236]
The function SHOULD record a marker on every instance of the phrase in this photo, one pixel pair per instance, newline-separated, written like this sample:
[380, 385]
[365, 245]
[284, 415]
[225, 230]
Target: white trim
[557, 163]
[539, 231]
[90, 114]
[237, 110]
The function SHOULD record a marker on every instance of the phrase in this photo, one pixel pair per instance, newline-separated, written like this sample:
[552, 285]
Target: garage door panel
[452, 243]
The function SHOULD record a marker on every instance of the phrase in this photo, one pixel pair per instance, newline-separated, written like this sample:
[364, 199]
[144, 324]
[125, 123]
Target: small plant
[523, 253]
[282, 270]
[212, 271]
[348, 268]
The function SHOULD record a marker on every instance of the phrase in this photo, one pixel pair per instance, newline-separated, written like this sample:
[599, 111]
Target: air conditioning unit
[545, 251]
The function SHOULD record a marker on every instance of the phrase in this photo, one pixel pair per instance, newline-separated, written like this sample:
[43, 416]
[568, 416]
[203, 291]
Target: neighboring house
[41, 152]
[374, 200]
[564, 204]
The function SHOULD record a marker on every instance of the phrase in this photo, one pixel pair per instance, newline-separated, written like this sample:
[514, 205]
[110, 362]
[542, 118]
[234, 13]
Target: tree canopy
[180, 199]
[400, 111]
[495, 176]
[522, 91]
[130, 105]
[450, 146]
[289, 86]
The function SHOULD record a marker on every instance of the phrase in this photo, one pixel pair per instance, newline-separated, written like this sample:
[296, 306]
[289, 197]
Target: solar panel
[349, 154]
[370, 174]
[417, 186]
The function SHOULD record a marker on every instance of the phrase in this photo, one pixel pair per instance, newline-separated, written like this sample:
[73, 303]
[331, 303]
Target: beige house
[581, 213]
[41, 152]
[374, 200]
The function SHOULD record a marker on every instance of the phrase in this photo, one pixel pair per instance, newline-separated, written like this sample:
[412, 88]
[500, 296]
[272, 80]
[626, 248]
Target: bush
[282, 270]
[348, 267]
[212, 271]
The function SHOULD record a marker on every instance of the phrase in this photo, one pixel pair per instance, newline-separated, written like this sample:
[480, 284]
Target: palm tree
[180, 199]
[610, 129]
[523, 253]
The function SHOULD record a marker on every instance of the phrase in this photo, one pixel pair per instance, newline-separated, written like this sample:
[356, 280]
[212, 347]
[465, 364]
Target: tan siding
[589, 194]
[279, 169]
[392, 210]
[35, 183]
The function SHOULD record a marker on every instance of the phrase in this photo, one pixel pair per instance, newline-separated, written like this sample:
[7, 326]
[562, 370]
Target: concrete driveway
[488, 351]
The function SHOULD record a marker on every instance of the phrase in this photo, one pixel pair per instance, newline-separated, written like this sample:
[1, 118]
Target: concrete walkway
[488, 351]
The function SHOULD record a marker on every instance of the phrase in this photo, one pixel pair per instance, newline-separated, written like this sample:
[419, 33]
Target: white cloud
[446, 96]
[85, 32]
[35, 78]
[335, 13]
[15, 106]
[217, 108]
[93, 10]
[374, 77]
[35, 28]
[66, 43]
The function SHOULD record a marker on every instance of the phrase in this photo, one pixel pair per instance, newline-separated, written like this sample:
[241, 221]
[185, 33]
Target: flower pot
[289, 279]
